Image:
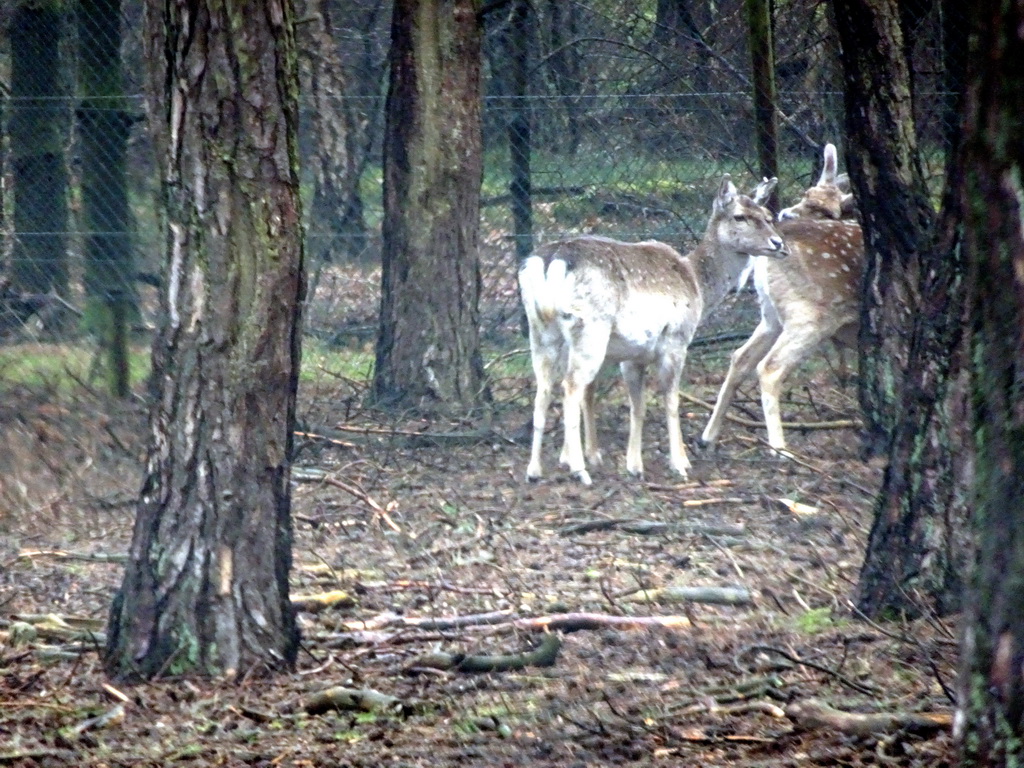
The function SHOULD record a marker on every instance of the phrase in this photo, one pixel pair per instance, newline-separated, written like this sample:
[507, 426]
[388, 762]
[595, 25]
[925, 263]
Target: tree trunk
[564, 64]
[762, 55]
[888, 181]
[990, 718]
[103, 127]
[336, 222]
[428, 349]
[206, 586]
[519, 32]
[910, 330]
[38, 134]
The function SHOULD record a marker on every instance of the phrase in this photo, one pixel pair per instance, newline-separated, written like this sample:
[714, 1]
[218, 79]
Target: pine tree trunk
[990, 718]
[428, 350]
[206, 587]
[37, 135]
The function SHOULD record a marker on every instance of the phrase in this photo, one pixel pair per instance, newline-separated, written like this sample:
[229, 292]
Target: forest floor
[444, 553]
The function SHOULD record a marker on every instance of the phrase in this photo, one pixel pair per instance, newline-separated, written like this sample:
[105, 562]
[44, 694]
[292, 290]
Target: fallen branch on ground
[709, 595]
[374, 631]
[359, 699]
[650, 528]
[574, 622]
[315, 603]
[98, 557]
[543, 655]
[812, 714]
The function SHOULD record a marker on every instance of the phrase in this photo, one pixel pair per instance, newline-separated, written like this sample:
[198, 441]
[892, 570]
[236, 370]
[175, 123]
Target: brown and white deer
[593, 300]
[811, 297]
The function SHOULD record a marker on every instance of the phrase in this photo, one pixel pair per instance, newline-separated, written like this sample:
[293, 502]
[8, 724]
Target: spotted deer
[830, 198]
[592, 300]
[811, 297]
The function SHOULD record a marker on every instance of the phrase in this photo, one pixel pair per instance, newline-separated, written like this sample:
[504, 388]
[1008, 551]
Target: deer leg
[791, 349]
[585, 358]
[670, 374]
[634, 374]
[741, 365]
[544, 370]
[590, 445]
[591, 450]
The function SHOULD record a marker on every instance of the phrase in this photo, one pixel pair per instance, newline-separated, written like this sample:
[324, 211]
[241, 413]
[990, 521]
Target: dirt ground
[417, 520]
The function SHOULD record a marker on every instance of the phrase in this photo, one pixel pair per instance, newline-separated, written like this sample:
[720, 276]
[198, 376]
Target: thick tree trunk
[428, 349]
[38, 134]
[990, 717]
[103, 127]
[888, 181]
[206, 587]
[910, 329]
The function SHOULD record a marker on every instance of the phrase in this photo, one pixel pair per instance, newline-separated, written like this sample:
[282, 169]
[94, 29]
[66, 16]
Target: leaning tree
[206, 585]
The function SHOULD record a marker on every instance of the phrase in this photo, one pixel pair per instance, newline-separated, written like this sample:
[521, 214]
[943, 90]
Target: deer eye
[739, 217]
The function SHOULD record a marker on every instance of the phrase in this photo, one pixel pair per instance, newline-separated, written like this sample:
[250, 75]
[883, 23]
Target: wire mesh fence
[612, 118]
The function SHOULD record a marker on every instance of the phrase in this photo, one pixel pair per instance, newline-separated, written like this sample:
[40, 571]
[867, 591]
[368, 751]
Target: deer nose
[779, 245]
[786, 213]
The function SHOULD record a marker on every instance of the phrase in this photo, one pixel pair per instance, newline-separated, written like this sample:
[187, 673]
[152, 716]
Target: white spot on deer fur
[826, 255]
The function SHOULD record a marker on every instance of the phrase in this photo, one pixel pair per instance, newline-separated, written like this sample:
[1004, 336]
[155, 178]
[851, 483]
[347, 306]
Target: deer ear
[848, 207]
[726, 194]
[831, 167]
[764, 190]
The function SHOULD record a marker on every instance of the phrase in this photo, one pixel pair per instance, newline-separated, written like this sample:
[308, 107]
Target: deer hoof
[584, 477]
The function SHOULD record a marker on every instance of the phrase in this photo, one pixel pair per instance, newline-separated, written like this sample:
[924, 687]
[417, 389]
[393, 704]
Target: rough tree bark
[910, 327]
[428, 349]
[889, 183]
[206, 586]
[989, 722]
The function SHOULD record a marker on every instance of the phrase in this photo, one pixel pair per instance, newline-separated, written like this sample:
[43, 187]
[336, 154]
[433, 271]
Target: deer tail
[540, 285]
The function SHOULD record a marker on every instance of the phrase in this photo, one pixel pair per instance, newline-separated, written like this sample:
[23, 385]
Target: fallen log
[337, 598]
[708, 595]
[543, 655]
[575, 622]
[812, 714]
[359, 699]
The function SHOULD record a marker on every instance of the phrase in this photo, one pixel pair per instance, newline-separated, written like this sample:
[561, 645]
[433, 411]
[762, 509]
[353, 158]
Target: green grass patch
[319, 357]
[64, 366]
[817, 620]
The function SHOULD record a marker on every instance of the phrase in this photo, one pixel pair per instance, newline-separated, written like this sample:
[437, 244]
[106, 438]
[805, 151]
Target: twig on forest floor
[649, 527]
[96, 557]
[352, 490]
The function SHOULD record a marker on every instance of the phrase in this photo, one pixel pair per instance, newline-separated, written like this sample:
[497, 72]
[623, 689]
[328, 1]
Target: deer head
[830, 198]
